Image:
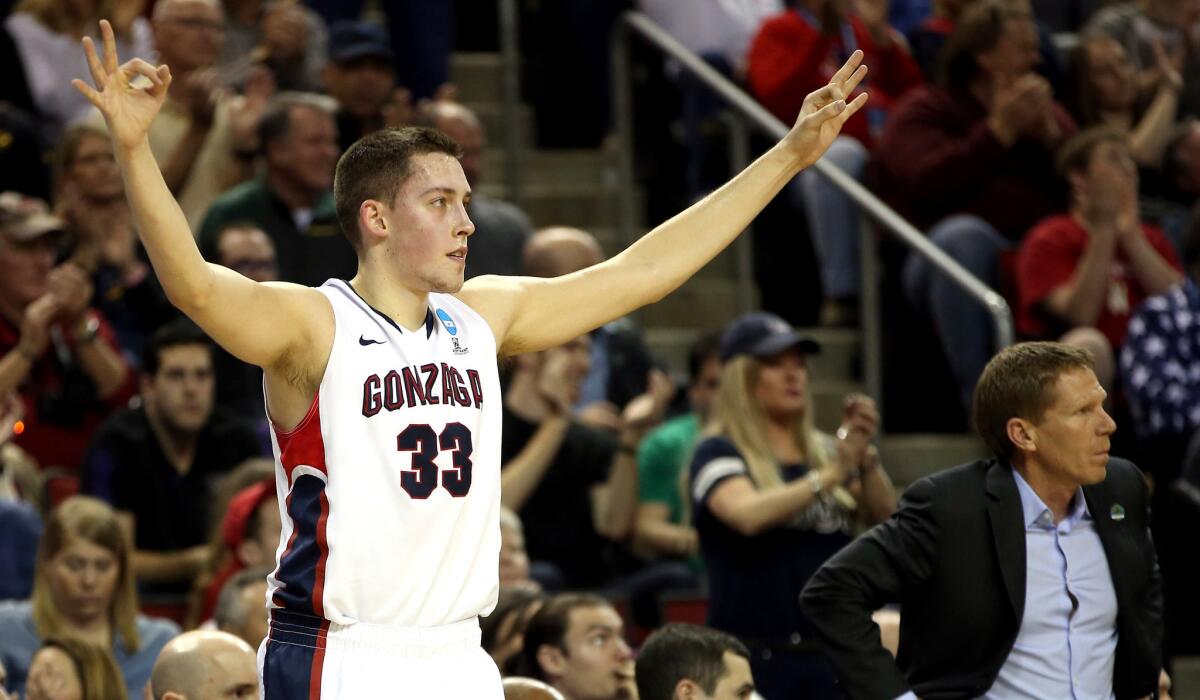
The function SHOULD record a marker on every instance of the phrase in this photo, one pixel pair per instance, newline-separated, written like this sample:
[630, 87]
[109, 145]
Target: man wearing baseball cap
[56, 351]
[361, 76]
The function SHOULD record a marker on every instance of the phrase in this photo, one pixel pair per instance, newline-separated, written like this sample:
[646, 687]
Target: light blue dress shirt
[1067, 644]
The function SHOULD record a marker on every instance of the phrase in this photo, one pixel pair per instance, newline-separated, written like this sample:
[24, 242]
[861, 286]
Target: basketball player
[383, 393]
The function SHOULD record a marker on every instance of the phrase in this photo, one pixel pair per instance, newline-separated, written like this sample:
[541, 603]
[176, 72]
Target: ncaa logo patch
[447, 322]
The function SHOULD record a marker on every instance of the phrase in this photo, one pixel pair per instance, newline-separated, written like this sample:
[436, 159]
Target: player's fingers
[853, 81]
[110, 46]
[855, 105]
[829, 111]
[99, 75]
[137, 66]
[88, 92]
[849, 67]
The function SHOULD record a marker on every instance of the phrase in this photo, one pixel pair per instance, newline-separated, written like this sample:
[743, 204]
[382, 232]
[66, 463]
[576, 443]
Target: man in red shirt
[1080, 275]
[799, 50]
[802, 48]
[56, 351]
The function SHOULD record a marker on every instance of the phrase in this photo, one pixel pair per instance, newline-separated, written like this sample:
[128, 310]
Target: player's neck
[390, 297]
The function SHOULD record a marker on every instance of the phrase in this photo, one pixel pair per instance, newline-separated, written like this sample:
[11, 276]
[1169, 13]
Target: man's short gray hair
[231, 611]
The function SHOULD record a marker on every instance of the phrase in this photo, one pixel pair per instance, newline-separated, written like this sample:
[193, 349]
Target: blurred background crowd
[674, 466]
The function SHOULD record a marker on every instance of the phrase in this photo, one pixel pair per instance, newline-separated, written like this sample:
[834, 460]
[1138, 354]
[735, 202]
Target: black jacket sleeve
[871, 572]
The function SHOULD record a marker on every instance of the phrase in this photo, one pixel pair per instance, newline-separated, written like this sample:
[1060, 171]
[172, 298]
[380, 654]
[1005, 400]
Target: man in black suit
[1031, 575]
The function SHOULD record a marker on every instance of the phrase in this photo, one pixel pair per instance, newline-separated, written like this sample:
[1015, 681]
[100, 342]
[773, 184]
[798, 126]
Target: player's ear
[686, 690]
[371, 219]
[552, 660]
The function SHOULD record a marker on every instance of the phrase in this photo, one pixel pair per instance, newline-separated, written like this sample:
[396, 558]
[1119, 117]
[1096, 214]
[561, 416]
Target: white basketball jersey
[390, 487]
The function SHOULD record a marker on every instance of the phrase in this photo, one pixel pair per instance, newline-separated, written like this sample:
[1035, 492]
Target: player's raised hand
[128, 109]
[826, 110]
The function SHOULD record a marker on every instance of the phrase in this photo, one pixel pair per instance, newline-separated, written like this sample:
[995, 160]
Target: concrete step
[1185, 679]
[491, 115]
[702, 303]
[590, 168]
[838, 360]
[567, 205]
[908, 458]
[840, 356]
[479, 76]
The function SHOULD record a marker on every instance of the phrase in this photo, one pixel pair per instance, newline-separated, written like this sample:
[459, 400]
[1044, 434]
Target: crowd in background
[1051, 148]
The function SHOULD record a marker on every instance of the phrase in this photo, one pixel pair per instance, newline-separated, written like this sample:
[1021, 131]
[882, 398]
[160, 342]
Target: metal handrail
[759, 117]
[510, 55]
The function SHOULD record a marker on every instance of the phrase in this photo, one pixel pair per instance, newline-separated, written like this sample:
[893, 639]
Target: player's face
[52, 676]
[83, 576]
[782, 388]
[93, 169]
[599, 664]
[736, 683]
[1072, 438]
[429, 224]
[181, 392]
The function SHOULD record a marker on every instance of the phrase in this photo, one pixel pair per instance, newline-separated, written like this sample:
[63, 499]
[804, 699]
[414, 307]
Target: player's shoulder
[495, 298]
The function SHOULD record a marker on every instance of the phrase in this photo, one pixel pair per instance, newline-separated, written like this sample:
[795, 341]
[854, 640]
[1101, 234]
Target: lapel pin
[1117, 512]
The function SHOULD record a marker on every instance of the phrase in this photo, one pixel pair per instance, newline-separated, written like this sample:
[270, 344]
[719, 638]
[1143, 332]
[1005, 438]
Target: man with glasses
[206, 136]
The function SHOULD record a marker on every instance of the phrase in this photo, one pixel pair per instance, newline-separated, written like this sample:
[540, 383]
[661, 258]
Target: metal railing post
[870, 312]
[510, 57]
[739, 158]
[623, 120]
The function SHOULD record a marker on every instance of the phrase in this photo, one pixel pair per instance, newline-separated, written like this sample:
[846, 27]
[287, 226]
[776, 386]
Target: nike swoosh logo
[367, 341]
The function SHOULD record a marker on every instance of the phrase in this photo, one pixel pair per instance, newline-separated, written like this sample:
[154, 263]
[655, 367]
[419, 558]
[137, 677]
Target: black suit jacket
[953, 556]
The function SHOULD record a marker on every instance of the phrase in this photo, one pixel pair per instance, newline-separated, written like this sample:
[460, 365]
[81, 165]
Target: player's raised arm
[259, 323]
[531, 314]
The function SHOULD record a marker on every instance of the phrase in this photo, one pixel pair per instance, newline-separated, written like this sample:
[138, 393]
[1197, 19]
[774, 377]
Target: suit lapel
[1113, 533]
[1008, 531]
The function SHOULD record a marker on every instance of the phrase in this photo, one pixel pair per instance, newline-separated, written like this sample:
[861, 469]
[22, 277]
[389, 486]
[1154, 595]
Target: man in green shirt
[661, 531]
[293, 201]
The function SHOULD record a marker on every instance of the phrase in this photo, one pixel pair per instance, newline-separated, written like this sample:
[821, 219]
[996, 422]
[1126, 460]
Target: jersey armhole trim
[313, 409]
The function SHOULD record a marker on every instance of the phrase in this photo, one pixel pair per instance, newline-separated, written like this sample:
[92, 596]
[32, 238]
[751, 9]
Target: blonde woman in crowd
[83, 590]
[772, 498]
